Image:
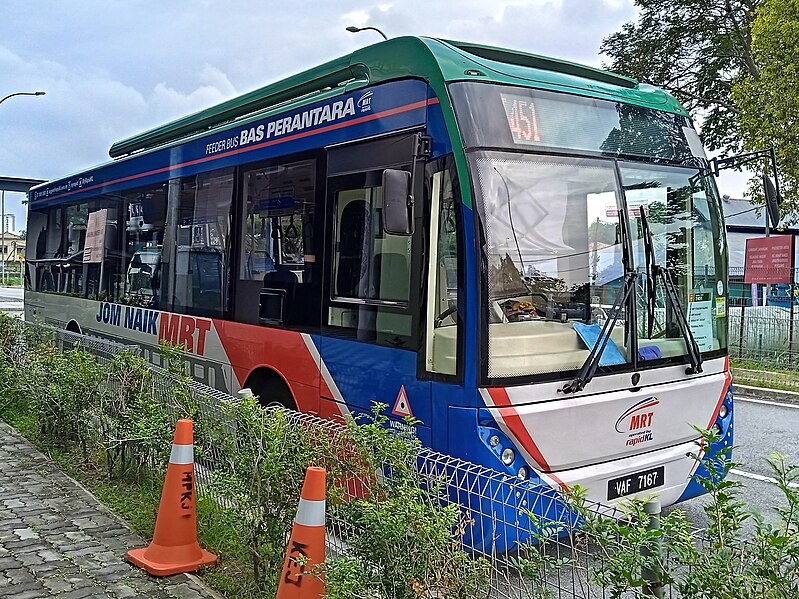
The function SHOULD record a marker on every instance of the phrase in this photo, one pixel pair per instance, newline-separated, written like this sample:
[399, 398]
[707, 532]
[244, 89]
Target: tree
[734, 64]
[768, 105]
[695, 49]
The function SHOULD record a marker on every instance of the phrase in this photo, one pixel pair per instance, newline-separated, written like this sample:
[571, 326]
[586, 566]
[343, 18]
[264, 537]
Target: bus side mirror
[397, 202]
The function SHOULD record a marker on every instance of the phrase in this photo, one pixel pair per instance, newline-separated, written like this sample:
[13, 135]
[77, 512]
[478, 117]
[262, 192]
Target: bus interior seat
[281, 282]
[390, 277]
[353, 249]
[207, 274]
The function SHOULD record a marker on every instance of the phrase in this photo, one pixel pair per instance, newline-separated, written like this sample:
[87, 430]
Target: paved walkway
[56, 540]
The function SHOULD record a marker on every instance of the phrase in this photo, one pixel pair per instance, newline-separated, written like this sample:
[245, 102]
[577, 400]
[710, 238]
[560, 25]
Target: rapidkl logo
[637, 421]
[365, 102]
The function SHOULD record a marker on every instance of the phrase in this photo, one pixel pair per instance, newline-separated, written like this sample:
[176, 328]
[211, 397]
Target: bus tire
[270, 389]
[73, 327]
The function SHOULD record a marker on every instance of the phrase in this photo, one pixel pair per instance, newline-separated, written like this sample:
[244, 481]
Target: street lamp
[3, 199]
[21, 94]
[353, 29]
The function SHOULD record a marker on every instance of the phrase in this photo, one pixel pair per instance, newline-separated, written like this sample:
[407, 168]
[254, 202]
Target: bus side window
[279, 280]
[57, 239]
[442, 300]
[135, 279]
[371, 271]
[202, 252]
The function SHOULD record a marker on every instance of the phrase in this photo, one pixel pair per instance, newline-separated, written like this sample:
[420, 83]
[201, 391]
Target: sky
[114, 68]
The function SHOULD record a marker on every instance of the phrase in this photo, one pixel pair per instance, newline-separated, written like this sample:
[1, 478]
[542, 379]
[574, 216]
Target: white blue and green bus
[525, 255]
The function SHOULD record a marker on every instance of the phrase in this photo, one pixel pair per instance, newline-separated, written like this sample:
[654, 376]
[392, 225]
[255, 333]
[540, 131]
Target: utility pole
[3, 233]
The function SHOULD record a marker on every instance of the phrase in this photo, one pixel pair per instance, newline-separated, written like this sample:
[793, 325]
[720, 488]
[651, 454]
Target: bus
[525, 255]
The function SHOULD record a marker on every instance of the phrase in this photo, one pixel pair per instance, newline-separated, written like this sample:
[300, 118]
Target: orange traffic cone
[306, 547]
[174, 548]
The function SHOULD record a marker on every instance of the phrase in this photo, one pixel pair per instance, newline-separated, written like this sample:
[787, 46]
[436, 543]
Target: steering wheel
[448, 312]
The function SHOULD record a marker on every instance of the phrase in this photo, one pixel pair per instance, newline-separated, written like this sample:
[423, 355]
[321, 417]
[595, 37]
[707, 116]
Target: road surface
[11, 300]
[761, 427]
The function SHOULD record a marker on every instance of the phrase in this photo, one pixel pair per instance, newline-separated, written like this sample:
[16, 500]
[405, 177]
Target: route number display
[522, 121]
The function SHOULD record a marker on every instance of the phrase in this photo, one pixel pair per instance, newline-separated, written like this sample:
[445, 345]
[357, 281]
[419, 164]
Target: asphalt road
[761, 427]
[11, 300]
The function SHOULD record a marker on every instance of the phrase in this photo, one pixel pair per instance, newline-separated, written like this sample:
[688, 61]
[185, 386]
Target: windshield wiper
[588, 369]
[655, 272]
[694, 353]
[649, 257]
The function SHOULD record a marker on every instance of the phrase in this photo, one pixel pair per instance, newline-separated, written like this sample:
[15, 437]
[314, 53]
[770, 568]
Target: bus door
[371, 308]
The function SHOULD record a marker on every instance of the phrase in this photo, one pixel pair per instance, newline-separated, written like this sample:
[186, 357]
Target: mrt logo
[638, 421]
[638, 416]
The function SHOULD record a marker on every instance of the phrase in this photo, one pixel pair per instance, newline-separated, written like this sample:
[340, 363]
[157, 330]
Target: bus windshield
[562, 231]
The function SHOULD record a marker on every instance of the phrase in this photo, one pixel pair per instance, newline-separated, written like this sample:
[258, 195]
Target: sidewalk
[56, 540]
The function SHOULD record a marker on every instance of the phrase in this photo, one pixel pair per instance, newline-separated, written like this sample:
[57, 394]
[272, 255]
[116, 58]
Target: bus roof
[434, 60]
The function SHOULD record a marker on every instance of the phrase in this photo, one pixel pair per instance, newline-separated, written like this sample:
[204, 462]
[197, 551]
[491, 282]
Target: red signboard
[769, 259]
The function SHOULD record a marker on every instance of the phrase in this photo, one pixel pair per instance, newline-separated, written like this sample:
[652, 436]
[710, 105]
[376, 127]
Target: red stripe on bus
[333, 127]
[514, 423]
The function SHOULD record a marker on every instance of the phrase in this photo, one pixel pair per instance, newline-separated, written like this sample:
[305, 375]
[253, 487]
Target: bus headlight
[493, 441]
[723, 411]
[508, 455]
[523, 473]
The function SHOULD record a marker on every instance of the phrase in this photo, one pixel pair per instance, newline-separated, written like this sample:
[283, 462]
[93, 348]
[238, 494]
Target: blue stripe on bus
[393, 106]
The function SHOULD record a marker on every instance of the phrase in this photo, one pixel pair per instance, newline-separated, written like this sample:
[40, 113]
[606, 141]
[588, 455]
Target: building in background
[9, 223]
[12, 253]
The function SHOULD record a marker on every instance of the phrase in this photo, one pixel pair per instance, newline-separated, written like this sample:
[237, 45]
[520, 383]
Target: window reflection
[554, 258]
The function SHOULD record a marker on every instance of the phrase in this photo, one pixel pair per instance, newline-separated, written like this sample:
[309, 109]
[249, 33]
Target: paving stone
[123, 591]
[25, 533]
[48, 555]
[31, 594]
[56, 585]
[184, 591]
[20, 576]
[31, 559]
[84, 593]
[58, 541]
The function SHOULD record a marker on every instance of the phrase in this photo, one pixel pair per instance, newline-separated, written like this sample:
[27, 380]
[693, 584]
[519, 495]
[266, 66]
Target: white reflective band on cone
[182, 454]
[311, 512]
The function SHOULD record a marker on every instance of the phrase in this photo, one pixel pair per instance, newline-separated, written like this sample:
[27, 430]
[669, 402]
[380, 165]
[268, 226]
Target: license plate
[638, 481]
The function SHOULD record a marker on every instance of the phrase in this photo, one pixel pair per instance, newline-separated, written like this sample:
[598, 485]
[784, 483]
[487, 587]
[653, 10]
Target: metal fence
[764, 346]
[529, 534]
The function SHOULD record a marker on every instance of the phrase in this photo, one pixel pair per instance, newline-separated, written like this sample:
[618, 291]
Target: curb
[791, 397]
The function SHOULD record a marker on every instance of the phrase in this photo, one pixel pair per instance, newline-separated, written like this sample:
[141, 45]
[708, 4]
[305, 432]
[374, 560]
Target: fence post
[653, 576]
[741, 332]
[790, 330]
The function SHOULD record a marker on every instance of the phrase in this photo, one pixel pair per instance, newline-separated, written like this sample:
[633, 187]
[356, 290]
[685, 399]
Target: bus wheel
[270, 389]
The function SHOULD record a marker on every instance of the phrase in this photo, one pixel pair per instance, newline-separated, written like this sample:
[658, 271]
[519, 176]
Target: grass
[767, 376]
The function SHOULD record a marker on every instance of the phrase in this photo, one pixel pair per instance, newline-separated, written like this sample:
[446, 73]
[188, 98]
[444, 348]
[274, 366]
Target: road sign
[769, 259]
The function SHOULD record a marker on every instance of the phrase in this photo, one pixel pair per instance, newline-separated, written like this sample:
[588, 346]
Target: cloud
[170, 103]
[114, 69]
